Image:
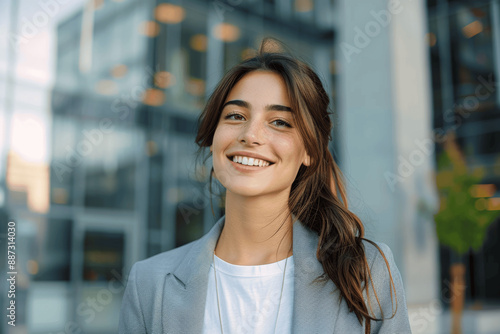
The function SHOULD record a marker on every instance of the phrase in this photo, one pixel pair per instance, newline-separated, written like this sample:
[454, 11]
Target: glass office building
[464, 40]
[99, 170]
[131, 79]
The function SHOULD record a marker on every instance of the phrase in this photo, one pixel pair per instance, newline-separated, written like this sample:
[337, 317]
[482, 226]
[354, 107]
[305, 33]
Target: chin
[246, 191]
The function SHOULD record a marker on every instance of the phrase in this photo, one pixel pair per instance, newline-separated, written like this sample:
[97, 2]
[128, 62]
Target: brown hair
[314, 193]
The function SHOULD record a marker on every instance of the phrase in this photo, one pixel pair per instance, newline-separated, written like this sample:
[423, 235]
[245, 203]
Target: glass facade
[119, 181]
[465, 61]
[98, 107]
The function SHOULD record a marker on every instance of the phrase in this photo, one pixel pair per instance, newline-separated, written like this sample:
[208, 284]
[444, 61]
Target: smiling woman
[288, 256]
[255, 123]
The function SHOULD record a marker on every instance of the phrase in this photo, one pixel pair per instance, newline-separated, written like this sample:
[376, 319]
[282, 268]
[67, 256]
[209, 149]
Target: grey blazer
[166, 293]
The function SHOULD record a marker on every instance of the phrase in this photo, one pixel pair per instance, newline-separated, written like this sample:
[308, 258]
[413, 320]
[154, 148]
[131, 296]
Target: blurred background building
[98, 107]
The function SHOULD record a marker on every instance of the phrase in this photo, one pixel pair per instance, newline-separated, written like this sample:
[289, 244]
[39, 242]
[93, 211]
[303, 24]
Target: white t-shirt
[249, 297]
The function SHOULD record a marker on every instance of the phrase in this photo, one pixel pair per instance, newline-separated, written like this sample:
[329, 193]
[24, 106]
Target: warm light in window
[333, 66]
[151, 148]
[226, 32]
[32, 267]
[106, 87]
[98, 4]
[482, 190]
[59, 196]
[248, 53]
[494, 204]
[101, 257]
[472, 29]
[303, 5]
[153, 97]
[198, 42]
[195, 87]
[119, 71]
[169, 13]
[30, 178]
[149, 28]
[431, 39]
[164, 79]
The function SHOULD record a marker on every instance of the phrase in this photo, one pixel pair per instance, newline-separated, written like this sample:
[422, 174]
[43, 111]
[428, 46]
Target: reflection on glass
[188, 227]
[304, 5]
[169, 13]
[472, 54]
[237, 43]
[52, 251]
[183, 72]
[110, 167]
[153, 97]
[198, 42]
[149, 28]
[226, 32]
[102, 255]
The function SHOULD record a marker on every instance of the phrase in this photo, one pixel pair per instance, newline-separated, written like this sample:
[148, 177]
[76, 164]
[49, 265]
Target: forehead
[261, 87]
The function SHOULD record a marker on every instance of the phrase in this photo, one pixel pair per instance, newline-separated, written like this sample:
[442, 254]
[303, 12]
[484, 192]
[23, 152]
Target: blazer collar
[197, 261]
[315, 308]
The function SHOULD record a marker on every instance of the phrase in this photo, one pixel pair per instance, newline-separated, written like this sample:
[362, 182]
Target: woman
[288, 256]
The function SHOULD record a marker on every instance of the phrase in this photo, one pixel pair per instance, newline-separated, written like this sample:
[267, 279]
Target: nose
[252, 133]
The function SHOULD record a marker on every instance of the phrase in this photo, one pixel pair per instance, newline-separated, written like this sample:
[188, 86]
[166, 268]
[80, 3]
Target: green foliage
[460, 225]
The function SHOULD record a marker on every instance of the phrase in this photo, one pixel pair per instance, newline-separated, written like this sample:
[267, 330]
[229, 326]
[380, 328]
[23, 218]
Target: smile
[249, 162]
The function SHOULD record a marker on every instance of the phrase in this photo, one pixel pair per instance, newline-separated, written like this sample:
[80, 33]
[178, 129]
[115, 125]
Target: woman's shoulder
[375, 252]
[386, 292]
[381, 261]
[163, 263]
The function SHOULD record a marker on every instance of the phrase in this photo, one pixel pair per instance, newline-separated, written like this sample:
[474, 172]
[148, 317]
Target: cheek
[292, 147]
[222, 140]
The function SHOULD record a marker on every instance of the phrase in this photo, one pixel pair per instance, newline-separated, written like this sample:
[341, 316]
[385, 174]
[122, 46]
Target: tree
[463, 218]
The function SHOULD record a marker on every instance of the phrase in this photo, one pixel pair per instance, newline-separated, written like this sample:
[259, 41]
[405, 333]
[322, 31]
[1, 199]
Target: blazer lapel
[316, 305]
[185, 289]
[315, 308]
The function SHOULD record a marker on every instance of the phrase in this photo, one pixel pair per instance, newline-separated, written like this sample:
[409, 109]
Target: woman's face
[256, 119]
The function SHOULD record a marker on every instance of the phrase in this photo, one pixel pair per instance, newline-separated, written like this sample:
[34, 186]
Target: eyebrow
[269, 107]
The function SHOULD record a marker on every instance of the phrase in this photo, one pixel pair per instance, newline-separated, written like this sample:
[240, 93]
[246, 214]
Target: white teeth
[250, 161]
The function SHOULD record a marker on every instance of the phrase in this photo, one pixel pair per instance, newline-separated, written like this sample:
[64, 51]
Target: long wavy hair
[314, 197]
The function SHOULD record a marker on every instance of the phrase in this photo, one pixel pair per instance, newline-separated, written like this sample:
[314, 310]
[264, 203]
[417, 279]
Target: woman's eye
[229, 116]
[278, 122]
[282, 123]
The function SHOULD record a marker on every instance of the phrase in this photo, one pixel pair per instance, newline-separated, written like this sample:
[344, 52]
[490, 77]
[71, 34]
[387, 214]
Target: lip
[250, 155]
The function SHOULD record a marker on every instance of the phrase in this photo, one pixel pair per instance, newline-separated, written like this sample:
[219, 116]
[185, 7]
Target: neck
[250, 235]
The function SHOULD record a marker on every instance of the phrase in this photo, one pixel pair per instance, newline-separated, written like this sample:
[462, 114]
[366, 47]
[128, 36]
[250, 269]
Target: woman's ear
[307, 159]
